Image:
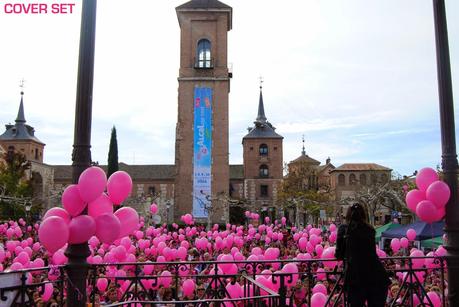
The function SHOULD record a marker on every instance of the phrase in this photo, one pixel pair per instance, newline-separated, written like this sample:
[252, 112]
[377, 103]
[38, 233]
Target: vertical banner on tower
[202, 150]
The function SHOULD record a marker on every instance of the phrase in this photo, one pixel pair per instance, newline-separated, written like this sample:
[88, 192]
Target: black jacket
[358, 250]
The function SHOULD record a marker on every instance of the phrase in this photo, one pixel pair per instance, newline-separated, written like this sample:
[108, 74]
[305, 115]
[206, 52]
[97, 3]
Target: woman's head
[356, 214]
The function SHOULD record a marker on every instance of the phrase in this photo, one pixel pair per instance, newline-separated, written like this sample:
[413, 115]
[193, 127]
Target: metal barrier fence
[262, 283]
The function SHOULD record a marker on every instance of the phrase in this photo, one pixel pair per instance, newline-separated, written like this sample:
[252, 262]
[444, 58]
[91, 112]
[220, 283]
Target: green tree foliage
[297, 191]
[112, 154]
[15, 189]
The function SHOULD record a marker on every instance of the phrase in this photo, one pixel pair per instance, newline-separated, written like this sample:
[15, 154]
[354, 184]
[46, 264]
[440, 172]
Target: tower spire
[261, 117]
[303, 152]
[21, 118]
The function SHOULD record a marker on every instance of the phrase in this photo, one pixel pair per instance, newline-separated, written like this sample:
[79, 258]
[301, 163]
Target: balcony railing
[133, 284]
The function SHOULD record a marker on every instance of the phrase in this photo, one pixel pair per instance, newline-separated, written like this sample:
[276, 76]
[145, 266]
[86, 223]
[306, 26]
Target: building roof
[203, 4]
[321, 168]
[304, 158]
[20, 131]
[207, 5]
[142, 172]
[361, 167]
[262, 128]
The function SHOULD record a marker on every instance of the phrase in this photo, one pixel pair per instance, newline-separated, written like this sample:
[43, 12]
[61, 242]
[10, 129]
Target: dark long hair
[356, 215]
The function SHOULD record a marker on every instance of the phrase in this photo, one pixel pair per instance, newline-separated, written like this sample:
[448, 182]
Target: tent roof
[423, 230]
[432, 243]
[383, 228]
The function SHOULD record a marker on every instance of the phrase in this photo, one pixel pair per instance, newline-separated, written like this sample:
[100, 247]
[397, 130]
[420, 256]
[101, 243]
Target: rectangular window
[263, 190]
[151, 190]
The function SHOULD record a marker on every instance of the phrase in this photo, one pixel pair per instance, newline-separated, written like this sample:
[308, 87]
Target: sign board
[156, 219]
[10, 280]
[202, 151]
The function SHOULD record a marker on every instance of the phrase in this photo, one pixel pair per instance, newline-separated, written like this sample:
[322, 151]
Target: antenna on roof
[261, 82]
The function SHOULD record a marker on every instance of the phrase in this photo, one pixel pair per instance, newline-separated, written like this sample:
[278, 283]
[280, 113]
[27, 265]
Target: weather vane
[261, 82]
[21, 85]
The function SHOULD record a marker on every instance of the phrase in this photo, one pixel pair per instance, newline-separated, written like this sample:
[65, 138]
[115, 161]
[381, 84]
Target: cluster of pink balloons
[187, 219]
[252, 215]
[67, 225]
[429, 200]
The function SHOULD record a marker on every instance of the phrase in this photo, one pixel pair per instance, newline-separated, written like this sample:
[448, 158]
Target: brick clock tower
[201, 147]
[263, 170]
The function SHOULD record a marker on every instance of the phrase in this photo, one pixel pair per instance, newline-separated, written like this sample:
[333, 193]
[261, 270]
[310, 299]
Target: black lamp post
[448, 142]
[77, 268]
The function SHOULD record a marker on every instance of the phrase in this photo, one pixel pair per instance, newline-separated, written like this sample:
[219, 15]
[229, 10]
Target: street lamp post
[28, 207]
[77, 267]
[168, 206]
[448, 142]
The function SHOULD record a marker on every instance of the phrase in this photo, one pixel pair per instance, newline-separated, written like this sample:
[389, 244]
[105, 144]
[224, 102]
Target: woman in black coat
[365, 278]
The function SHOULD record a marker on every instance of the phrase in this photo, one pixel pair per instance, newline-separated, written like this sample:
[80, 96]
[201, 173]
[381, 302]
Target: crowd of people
[316, 273]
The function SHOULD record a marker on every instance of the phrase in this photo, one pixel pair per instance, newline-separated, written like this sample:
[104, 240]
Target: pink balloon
[425, 177]
[404, 242]
[71, 200]
[438, 193]
[427, 211]
[53, 233]
[81, 228]
[56, 211]
[413, 198]
[188, 287]
[291, 268]
[395, 245]
[100, 205]
[154, 208]
[23, 258]
[417, 262]
[102, 284]
[16, 266]
[129, 218]
[234, 290]
[91, 183]
[434, 298]
[165, 279]
[318, 300]
[48, 291]
[411, 234]
[59, 258]
[319, 288]
[119, 186]
[108, 228]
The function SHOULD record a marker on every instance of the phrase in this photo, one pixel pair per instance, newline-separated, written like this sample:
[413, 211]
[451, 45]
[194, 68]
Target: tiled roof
[203, 4]
[142, 172]
[305, 159]
[361, 167]
[321, 168]
[263, 131]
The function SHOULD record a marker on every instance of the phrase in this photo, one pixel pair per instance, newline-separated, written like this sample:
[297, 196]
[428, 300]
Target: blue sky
[356, 77]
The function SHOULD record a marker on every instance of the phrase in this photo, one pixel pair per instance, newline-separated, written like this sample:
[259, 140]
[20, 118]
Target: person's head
[356, 214]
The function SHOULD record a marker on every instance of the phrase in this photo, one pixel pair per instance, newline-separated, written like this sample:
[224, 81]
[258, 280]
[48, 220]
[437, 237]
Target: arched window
[352, 179]
[264, 172]
[363, 179]
[341, 179]
[204, 58]
[374, 179]
[263, 150]
[384, 178]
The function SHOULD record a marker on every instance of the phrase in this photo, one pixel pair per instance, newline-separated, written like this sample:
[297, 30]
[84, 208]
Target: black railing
[262, 283]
